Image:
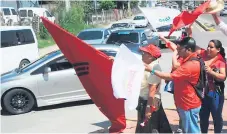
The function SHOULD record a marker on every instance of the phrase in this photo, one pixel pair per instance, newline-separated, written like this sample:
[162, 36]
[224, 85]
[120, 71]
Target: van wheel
[18, 101]
[24, 63]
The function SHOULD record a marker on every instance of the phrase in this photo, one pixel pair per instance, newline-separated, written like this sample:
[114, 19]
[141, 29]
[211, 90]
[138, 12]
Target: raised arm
[220, 23]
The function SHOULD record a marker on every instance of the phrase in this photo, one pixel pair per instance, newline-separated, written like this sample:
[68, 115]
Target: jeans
[212, 103]
[189, 120]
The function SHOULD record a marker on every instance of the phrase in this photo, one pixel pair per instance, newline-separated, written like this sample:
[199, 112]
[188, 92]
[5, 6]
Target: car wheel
[24, 63]
[18, 101]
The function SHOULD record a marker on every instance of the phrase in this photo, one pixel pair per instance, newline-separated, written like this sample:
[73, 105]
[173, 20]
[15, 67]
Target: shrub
[43, 33]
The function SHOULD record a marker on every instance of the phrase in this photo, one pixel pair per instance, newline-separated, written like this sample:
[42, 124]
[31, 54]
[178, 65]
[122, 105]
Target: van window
[25, 37]
[16, 37]
[14, 12]
[23, 13]
[30, 13]
[6, 11]
[48, 14]
[8, 39]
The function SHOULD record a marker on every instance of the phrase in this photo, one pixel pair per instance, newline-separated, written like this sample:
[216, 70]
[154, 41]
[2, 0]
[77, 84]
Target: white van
[19, 47]
[29, 12]
[9, 15]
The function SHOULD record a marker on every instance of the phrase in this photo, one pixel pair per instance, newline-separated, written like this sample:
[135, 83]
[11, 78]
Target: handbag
[169, 87]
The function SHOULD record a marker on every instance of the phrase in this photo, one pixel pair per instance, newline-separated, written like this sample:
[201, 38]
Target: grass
[42, 43]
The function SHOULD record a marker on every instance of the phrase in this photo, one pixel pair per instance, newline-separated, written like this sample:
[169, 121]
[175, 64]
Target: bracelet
[152, 72]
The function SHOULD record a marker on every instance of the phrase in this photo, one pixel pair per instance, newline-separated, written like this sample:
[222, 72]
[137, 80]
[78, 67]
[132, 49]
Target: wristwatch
[152, 71]
[148, 106]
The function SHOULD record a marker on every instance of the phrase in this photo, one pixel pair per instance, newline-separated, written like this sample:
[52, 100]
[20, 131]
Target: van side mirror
[47, 70]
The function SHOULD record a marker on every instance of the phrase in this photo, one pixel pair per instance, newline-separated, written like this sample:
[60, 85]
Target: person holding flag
[151, 115]
[187, 102]
[221, 24]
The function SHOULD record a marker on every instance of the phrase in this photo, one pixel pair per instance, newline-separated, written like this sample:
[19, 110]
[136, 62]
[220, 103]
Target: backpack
[201, 87]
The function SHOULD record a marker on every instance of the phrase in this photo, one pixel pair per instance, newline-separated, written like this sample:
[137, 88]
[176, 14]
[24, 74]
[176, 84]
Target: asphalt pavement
[209, 19]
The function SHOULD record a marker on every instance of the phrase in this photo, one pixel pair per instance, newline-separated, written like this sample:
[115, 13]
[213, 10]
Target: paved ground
[209, 19]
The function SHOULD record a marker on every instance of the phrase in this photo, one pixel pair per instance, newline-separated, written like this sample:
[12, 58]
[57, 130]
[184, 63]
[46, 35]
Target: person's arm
[175, 63]
[221, 76]
[170, 44]
[221, 24]
[163, 75]
[189, 30]
[154, 81]
[180, 73]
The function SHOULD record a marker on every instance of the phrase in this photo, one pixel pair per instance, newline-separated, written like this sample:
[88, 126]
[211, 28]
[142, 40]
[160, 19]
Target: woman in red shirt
[213, 102]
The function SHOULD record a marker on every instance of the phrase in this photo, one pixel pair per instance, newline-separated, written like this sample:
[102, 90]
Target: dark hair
[218, 45]
[188, 42]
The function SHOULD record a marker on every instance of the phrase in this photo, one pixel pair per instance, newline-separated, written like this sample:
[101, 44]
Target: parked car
[118, 26]
[94, 35]
[19, 47]
[47, 81]
[133, 39]
[224, 11]
[30, 12]
[140, 21]
[9, 15]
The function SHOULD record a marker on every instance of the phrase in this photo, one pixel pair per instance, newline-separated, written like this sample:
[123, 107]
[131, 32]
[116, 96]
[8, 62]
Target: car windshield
[139, 18]
[40, 61]
[90, 35]
[164, 28]
[123, 37]
[119, 25]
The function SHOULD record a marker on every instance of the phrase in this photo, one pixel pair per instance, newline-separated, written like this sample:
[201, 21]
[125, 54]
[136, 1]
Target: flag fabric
[127, 75]
[185, 18]
[97, 79]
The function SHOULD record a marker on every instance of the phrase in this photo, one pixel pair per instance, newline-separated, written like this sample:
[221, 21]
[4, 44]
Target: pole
[67, 5]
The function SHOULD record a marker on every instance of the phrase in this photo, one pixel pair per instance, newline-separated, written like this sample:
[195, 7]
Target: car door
[143, 39]
[61, 83]
[106, 35]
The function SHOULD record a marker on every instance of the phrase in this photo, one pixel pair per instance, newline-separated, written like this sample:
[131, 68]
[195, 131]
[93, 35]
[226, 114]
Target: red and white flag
[185, 18]
[96, 78]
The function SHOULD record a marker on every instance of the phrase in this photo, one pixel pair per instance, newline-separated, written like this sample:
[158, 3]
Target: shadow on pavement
[57, 106]
[104, 125]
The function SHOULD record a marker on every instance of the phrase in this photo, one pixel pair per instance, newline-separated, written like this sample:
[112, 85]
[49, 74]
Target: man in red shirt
[187, 102]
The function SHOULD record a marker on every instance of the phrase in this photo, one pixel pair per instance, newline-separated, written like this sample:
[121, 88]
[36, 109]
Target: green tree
[143, 3]
[134, 3]
[180, 4]
[107, 4]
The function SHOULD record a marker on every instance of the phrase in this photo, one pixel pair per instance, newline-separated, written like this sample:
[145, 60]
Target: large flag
[127, 75]
[94, 71]
[186, 17]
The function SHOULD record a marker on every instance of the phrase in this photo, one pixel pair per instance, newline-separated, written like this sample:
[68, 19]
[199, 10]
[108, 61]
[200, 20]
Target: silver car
[94, 35]
[47, 81]
[224, 11]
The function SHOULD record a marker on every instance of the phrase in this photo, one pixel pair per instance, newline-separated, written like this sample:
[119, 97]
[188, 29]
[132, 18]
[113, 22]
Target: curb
[205, 27]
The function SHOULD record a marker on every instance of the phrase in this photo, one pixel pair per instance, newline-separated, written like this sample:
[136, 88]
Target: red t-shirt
[184, 94]
[218, 63]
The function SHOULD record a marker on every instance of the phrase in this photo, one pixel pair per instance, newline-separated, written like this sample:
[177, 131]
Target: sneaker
[179, 131]
[154, 131]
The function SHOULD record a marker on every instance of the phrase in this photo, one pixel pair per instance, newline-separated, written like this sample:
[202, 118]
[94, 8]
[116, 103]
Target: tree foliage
[107, 4]
[134, 3]
[143, 4]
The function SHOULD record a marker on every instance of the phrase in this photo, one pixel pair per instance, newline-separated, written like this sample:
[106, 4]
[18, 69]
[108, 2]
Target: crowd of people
[184, 75]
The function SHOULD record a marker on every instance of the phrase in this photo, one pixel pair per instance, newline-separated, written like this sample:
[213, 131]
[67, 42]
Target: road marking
[198, 27]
